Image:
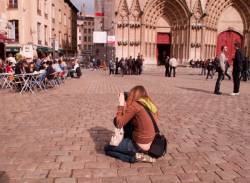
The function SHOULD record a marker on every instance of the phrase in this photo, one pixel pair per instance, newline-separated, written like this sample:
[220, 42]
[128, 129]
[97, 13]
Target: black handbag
[158, 147]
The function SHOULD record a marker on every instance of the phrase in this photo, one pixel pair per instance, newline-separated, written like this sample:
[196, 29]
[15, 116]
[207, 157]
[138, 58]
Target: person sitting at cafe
[64, 67]
[50, 71]
[8, 68]
[76, 71]
[56, 66]
[1, 66]
[19, 68]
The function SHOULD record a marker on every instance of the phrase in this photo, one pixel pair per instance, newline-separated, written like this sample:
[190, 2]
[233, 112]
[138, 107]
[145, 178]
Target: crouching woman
[132, 113]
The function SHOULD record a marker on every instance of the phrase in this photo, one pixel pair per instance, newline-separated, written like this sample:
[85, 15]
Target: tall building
[44, 24]
[85, 24]
[184, 29]
[104, 21]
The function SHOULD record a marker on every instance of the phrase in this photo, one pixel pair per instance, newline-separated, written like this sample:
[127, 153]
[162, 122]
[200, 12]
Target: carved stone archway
[193, 27]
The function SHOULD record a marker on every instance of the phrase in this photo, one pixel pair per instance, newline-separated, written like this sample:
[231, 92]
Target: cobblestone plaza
[58, 136]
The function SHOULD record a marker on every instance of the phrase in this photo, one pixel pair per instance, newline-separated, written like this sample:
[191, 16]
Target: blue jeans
[125, 151]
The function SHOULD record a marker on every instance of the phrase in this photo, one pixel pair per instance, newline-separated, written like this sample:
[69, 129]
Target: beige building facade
[184, 29]
[45, 24]
[85, 29]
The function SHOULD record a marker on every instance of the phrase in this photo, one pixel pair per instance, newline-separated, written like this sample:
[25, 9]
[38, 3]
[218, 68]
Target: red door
[163, 47]
[228, 38]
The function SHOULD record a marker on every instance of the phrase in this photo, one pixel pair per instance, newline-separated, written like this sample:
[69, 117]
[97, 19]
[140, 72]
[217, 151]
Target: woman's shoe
[141, 157]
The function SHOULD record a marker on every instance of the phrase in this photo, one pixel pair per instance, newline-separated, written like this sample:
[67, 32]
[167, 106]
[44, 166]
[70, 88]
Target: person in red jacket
[8, 68]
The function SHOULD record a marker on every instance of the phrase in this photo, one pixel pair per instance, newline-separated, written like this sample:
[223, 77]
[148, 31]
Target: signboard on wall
[111, 39]
[99, 37]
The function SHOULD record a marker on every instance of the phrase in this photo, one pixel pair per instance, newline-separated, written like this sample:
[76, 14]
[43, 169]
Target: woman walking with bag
[133, 111]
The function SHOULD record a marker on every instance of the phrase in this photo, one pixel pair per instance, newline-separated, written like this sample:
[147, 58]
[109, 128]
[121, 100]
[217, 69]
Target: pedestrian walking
[221, 69]
[237, 68]
[167, 67]
[173, 65]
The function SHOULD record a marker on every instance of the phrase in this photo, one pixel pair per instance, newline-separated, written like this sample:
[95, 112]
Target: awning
[3, 38]
[44, 49]
[12, 49]
[60, 50]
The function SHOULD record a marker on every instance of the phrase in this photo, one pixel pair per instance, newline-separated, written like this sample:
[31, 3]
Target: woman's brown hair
[136, 93]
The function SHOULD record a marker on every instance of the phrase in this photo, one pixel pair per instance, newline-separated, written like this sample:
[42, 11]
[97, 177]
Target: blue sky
[89, 5]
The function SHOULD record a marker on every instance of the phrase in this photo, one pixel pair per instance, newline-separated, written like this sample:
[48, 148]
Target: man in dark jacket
[167, 67]
[237, 68]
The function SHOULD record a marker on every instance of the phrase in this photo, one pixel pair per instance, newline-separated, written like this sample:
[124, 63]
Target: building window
[89, 31]
[60, 39]
[85, 38]
[89, 23]
[39, 7]
[89, 47]
[85, 47]
[80, 38]
[85, 31]
[14, 31]
[66, 38]
[13, 4]
[65, 19]
[46, 34]
[89, 39]
[46, 10]
[60, 16]
[53, 13]
[39, 33]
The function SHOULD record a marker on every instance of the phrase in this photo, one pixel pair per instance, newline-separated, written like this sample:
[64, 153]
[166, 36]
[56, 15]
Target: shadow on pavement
[4, 178]
[195, 90]
[100, 136]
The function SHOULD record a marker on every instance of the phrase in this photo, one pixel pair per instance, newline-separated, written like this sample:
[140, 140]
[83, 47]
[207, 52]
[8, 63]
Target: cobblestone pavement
[58, 136]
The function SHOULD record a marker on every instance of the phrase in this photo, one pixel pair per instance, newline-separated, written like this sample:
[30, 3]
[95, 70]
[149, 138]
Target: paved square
[58, 136]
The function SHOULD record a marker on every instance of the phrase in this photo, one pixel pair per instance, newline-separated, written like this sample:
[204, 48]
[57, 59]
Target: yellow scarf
[147, 103]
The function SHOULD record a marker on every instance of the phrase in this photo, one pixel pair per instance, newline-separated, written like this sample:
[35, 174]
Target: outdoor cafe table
[29, 80]
[4, 80]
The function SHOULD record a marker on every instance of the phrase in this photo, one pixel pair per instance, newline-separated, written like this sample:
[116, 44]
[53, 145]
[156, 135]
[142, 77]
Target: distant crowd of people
[127, 66]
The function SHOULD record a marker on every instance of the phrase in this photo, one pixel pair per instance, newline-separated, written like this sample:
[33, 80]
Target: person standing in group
[122, 65]
[227, 65]
[237, 68]
[111, 67]
[221, 69]
[137, 65]
[116, 65]
[141, 60]
[167, 71]
[244, 74]
[173, 64]
[210, 68]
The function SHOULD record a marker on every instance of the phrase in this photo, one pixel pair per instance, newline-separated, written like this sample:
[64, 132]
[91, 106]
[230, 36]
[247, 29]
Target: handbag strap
[157, 131]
